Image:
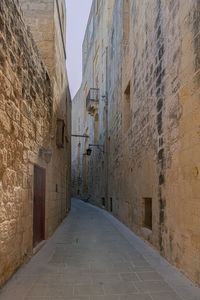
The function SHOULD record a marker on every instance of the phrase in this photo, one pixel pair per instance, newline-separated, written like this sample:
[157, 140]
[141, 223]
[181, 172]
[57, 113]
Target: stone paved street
[94, 257]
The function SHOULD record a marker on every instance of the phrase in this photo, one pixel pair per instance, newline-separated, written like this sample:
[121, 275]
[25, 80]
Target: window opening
[127, 108]
[60, 133]
[147, 213]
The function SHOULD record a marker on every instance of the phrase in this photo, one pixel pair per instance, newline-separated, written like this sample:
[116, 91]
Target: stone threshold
[39, 246]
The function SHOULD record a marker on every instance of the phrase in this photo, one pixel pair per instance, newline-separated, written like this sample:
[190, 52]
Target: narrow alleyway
[91, 257]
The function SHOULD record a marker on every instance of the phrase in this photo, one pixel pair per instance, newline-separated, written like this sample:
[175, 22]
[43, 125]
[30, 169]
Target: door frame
[43, 170]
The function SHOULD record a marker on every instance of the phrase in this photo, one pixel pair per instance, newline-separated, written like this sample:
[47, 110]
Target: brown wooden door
[39, 205]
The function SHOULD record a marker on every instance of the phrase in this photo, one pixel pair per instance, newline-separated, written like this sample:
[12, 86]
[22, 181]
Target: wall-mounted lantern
[45, 154]
[100, 147]
[89, 151]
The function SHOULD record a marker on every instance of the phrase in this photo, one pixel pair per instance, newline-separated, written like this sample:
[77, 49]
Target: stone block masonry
[28, 118]
[152, 130]
[156, 155]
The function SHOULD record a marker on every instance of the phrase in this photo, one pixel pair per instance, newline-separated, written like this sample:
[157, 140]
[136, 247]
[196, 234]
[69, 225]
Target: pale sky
[77, 17]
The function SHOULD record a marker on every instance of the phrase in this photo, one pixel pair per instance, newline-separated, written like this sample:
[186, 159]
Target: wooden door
[39, 205]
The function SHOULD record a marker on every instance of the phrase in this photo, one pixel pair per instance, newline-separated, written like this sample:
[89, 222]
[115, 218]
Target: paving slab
[92, 256]
[137, 297]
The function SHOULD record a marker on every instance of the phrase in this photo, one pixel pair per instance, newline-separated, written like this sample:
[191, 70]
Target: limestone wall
[47, 20]
[154, 138]
[153, 125]
[30, 104]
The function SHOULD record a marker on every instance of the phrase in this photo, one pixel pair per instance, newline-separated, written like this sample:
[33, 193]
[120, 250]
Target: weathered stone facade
[34, 97]
[89, 117]
[153, 126]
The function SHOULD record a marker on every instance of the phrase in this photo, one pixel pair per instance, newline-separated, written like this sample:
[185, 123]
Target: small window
[103, 202]
[147, 213]
[127, 113]
[60, 133]
[127, 90]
